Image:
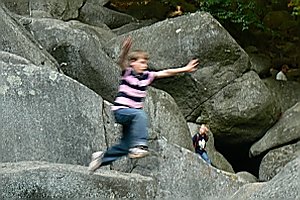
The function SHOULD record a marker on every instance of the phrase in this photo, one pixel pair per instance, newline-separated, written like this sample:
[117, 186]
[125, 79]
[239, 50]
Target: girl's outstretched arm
[126, 45]
[190, 67]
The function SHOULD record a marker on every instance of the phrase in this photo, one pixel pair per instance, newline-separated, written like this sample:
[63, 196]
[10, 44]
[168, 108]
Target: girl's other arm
[126, 45]
[190, 67]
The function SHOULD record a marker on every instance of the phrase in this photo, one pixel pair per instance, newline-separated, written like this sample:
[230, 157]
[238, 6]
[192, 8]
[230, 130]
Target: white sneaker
[97, 154]
[138, 152]
[96, 161]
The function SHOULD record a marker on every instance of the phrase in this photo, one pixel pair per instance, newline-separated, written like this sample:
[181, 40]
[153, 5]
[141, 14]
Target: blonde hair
[138, 54]
[206, 126]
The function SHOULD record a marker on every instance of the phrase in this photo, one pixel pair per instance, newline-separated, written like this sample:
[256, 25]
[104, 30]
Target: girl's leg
[139, 129]
[135, 133]
[205, 157]
[137, 122]
[113, 153]
[117, 151]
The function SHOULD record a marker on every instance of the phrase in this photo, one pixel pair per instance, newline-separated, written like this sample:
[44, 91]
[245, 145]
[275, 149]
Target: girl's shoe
[96, 155]
[138, 152]
[96, 161]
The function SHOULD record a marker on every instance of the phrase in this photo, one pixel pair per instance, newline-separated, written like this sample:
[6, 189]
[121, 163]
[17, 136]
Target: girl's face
[203, 130]
[140, 65]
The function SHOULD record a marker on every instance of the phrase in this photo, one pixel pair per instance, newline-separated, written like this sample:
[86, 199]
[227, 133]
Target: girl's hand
[192, 65]
[126, 45]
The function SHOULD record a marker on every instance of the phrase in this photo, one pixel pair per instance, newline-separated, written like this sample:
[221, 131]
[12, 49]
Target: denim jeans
[135, 132]
[204, 156]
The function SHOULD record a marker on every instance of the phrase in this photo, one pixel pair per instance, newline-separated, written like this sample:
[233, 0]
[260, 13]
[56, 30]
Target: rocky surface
[285, 131]
[15, 39]
[57, 81]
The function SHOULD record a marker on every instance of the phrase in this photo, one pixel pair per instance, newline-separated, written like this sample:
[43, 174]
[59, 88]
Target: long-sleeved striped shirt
[132, 89]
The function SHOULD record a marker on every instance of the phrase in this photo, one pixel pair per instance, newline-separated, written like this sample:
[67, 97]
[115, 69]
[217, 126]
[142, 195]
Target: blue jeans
[135, 133]
[205, 157]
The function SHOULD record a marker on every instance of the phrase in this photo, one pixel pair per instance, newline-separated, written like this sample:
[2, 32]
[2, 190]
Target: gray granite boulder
[96, 14]
[275, 160]
[47, 116]
[241, 112]
[260, 63]
[39, 180]
[218, 84]
[78, 49]
[59, 9]
[285, 131]
[181, 174]
[15, 39]
[133, 26]
[20, 7]
[247, 176]
[166, 120]
[285, 93]
[285, 185]
[10, 58]
[173, 42]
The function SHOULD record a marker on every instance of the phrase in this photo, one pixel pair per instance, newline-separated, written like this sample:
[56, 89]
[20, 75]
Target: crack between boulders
[80, 8]
[104, 116]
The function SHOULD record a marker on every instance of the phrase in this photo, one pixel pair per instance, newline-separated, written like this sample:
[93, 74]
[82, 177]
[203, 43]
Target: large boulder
[285, 131]
[7, 57]
[285, 185]
[46, 115]
[275, 160]
[247, 176]
[166, 120]
[59, 9]
[96, 14]
[173, 42]
[78, 49]
[176, 173]
[241, 112]
[285, 93]
[217, 93]
[15, 39]
[180, 174]
[133, 26]
[20, 7]
[260, 63]
[39, 180]
[85, 62]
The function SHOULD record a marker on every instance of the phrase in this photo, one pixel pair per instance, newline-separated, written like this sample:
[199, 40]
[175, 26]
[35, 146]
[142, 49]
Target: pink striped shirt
[132, 89]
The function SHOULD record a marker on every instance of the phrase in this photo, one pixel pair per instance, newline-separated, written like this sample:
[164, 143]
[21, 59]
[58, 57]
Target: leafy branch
[295, 4]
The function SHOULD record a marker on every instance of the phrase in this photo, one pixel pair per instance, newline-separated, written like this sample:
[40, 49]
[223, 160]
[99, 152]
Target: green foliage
[240, 12]
[295, 4]
[243, 12]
